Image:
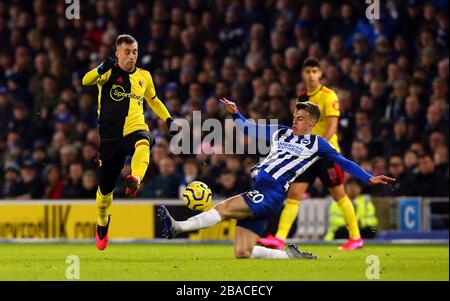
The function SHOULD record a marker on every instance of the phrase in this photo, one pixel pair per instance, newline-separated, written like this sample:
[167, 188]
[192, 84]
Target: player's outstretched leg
[246, 237]
[234, 207]
[172, 228]
[294, 253]
[291, 252]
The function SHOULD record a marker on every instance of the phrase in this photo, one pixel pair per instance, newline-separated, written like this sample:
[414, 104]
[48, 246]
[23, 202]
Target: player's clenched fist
[107, 64]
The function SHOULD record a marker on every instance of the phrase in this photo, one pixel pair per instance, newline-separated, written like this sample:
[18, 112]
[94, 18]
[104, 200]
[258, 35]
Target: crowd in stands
[390, 74]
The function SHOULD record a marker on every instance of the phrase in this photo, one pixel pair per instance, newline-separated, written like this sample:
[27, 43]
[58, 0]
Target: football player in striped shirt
[293, 151]
[330, 174]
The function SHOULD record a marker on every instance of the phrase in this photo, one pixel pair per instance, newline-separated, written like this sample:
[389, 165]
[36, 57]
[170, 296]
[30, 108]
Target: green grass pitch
[184, 262]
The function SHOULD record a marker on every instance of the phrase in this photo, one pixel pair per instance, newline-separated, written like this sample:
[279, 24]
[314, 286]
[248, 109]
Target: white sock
[200, 221]
[262, 252]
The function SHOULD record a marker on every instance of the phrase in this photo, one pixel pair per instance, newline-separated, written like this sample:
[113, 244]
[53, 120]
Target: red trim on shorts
[339, 173]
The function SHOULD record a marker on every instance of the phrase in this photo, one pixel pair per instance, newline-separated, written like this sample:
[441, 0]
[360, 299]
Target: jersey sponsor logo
[255, 196]
[289, 147]
[118, 93]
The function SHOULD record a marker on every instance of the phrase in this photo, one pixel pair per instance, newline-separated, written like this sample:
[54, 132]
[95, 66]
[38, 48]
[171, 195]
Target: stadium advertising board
[73, 220]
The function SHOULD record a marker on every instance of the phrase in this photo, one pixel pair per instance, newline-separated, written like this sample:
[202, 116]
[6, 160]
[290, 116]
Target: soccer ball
[197, 196]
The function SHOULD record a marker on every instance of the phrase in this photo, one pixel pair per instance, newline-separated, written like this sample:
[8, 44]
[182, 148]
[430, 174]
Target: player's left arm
[332, 114]
[325, 150]
[154, 102]
[249, 128]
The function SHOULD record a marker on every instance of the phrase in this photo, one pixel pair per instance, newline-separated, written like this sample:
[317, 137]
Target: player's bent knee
[294, 195]
[149, 138]
[223, 209]
[337, 192]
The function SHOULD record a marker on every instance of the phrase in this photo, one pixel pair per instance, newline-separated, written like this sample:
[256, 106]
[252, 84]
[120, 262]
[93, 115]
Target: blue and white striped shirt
[291, 155]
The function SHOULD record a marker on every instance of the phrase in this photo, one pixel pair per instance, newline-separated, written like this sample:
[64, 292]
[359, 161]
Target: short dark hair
[311, 62]
[125, 39]
[309, 107]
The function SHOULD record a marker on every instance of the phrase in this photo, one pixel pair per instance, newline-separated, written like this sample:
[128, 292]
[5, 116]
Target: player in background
[331, 174]
[122, 88]
[293, 151]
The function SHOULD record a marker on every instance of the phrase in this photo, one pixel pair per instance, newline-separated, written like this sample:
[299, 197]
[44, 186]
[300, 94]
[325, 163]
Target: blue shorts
[265, 198]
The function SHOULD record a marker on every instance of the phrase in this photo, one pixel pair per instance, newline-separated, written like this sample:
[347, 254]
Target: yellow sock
[349, 216]
[103, 203]
[288, 216]
[140, 159]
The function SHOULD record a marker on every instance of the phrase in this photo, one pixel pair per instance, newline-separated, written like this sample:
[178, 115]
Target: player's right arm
[248, 127]
[100, 74]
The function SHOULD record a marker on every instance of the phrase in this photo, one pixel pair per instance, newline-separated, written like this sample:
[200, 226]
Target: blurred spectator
[399, 142]
[54, 184]
[427, 181]
[233, 163]
[47, 97]
[435, 122]
[89, 155]
[373, 145]
[441, 160]
[12, 185]
[190, 172]
[73, 187]
[166, 184]
[396, 169]
[89, 183]
[359, 152]
[227, 184]
[33, 186]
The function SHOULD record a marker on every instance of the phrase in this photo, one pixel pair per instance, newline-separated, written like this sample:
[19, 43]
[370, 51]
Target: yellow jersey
[121, 97]
[328, 103]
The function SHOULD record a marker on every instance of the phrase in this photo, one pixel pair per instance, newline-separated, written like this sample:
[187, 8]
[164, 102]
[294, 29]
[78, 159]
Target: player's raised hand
[231, 106]
[382, 180]
[107, 64]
